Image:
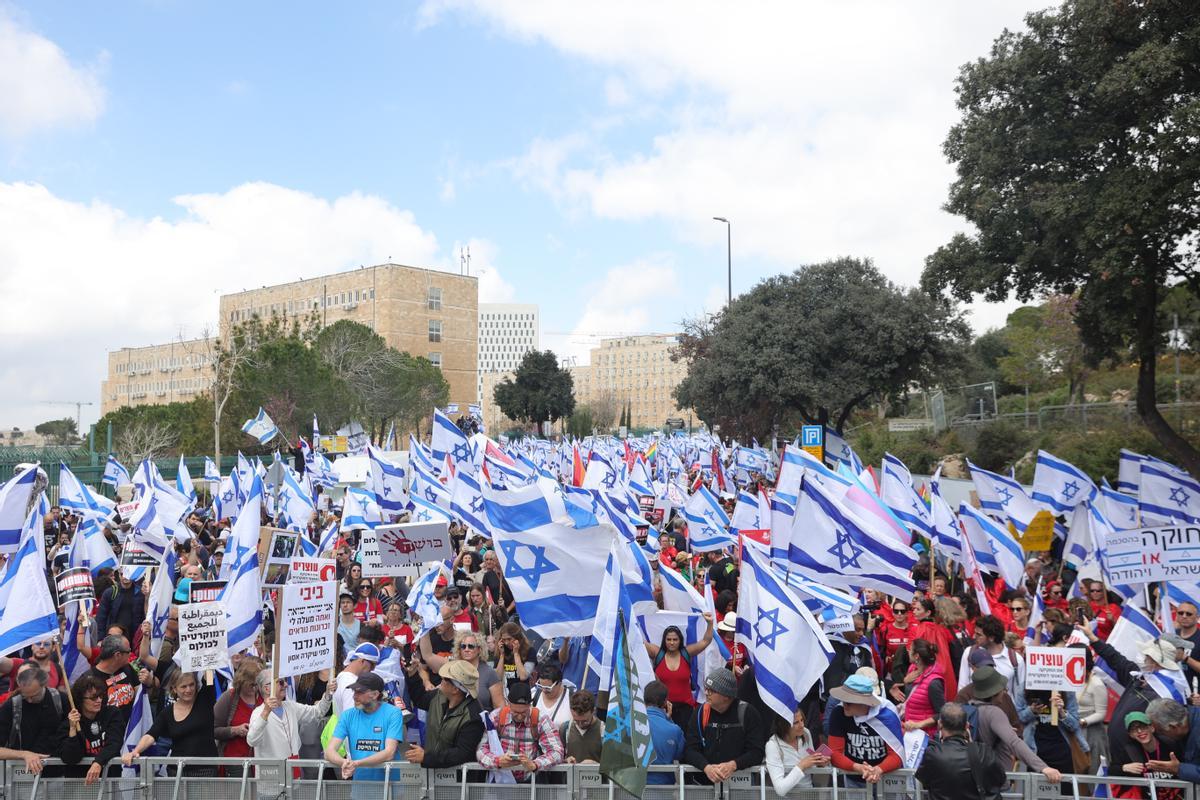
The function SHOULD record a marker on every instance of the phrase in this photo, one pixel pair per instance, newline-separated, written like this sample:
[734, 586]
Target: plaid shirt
[545, 748]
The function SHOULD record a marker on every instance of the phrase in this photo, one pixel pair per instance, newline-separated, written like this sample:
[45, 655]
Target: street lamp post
[728, 255]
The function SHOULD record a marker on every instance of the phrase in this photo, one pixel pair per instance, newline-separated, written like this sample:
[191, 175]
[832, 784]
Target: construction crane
[79, 404]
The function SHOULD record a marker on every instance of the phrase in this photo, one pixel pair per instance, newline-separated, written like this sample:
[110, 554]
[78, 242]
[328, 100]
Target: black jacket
[39, 723]
[847, 659]
[124, 607]
[451, 735]
[946, 772]
[724, 738]
[100, 739]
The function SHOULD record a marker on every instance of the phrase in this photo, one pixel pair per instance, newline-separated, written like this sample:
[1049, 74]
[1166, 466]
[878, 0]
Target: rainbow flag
[652, 451]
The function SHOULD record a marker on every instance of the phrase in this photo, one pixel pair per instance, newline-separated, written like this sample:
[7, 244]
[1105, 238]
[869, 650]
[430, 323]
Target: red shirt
[667, 556]
[1106, 615]
[402, 632]
[367, 610]
[894, 639]
[678, 681]
[238, 747]
[464, 616]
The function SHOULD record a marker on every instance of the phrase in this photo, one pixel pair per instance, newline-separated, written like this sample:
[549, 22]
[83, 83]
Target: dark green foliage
[542, 390]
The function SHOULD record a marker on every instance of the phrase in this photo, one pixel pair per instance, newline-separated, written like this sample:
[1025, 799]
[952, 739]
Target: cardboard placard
[205, 591]
[74, 584]
[1061, 669]
[411, 544]
[1040, 533]
[313, 570]
[277, 547]
[307, 627]
[202, 637]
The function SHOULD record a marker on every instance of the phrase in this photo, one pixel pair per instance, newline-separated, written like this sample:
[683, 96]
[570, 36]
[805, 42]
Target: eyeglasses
[899, 610]
[92, 697]
[1019, 608]
[1055, 593]
[466, 646]
[47, 643]
[1185, 613]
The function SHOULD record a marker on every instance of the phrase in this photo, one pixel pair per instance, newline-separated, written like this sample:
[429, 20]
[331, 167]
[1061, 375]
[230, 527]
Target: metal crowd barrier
[304, 779]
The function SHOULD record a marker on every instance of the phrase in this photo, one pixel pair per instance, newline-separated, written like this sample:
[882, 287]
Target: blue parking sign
[812, 435]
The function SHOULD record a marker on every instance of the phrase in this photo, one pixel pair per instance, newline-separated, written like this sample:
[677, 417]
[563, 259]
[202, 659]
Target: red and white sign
[1062, 669]
[313, 570]
[390, 547]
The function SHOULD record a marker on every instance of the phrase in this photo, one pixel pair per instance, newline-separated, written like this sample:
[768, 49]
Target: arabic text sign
[1149, 555]
[202, 639]
[1062, 669]
[307, 627]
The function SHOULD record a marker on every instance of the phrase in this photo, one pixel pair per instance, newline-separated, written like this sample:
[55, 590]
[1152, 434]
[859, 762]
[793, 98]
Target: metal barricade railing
[303, 779]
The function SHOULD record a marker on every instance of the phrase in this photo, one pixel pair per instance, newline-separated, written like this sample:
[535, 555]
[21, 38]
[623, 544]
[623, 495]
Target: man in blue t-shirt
[667, 737]
[372, 730]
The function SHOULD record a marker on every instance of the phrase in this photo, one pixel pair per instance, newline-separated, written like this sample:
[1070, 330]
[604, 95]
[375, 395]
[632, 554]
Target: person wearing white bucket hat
[726, 629]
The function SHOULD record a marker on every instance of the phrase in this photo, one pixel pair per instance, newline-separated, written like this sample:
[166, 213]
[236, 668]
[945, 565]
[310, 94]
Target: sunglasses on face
[899, 610]
[1019, 608]
[1185, 613]
[93, 697]
[465, 646]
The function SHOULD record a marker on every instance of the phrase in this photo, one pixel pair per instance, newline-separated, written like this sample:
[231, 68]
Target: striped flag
[626, 747]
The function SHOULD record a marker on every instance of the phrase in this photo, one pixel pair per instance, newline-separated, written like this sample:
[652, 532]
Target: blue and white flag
[784, 643]
[141, 717]
[29, 614]
[751, 513]
[679, 594]
[242, 596]
[261, 427]
[1134, 628]
[1168, 494]
[885, 722]
[613, 604]
[183, 482]
[94, 551]
[360, 511]
[897, 492]
[838, 451]
[389, 441]
[211, 473]
[640, 481]
[1129, 471]
[225, 498]
[1120, 509]
[328, 538]
[420, 454]
[386, 479]
[15, 495]
[601, 476]
[74, 495]
[162, 595]
[1003, 498]
[148, 530]
[1059, 485]
[114, 474]
[426, 486]
[172, 506]
[946, 532]
[74, 661]
[423, 601]
[296, 507]
[448, 440]
[467, 502]
[831, 546]
[425, 511]
[555, 571]
[708, 524]
[987, 536]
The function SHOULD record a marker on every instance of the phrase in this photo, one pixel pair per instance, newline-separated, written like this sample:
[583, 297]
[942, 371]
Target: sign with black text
[1150, 555]
[74, 584]
[307, 627]
[1061, 669]
[202, 637]
[390, 547]
[134, 555]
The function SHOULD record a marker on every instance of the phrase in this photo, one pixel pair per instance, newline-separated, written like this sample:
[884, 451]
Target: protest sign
[1039, 533]
[202, 637]
[1149, 555]
[74, 584]
[411, 544]
[1062, 669]
[134, 555]
[313, 570]
[277, 546]
[205, 591]
[307, 627]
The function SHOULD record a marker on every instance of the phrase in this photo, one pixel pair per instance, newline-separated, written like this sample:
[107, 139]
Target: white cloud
[447, 193]
[492, 287]
[815, 127]
[39, 86]
[80, 279]
[630, 298]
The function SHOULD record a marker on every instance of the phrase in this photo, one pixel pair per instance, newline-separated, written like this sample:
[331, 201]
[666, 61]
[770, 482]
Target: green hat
[1136, 717]
[987, 682]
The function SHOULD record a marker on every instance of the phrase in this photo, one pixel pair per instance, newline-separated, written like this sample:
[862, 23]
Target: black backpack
[14, 736]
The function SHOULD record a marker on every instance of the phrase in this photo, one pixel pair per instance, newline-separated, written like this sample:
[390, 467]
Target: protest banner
[313, 570]
[307, 628]
[277, 547]
[1062, 669]
[74, 584]
[205, 591]
[1039, 533]
[134, 555]
[1152, 554]
[411, 544]
[202, 637]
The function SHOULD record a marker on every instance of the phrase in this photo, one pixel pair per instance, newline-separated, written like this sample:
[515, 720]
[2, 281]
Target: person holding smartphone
[790, 753]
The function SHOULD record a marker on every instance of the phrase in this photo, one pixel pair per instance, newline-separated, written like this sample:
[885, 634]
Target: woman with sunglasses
[1021, 610]
[353, 578]
[367, 607]
[1054, 596]
[1105, 613]
[490, 695]
[93, 729]
[895, 636]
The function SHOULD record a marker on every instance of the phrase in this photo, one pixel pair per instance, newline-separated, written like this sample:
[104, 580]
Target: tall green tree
[542, 390]
[816, 344]
[1077, 164]
[59, 431]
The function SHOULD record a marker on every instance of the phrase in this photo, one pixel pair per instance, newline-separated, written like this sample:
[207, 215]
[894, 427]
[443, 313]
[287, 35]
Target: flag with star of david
[707, 522]
[1060, 485]
[466, 502]
[626, 748]
[783, 640]
[447, 441]
[386, 479]
[1167, 494]
[1003, 498]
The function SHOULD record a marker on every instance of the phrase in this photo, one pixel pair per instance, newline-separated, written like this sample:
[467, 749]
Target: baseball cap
[520, 694]
[365, 651]
[1136, 717]
[370, 682]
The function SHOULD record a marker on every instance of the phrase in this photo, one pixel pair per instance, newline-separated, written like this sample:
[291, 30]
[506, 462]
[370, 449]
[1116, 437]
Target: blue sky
[156, 154]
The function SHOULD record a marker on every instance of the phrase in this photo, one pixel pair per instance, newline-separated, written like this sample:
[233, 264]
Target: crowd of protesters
[950, 672]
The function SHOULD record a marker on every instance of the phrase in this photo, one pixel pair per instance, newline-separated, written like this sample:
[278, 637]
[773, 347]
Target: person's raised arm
[696, 648]
[432, 660]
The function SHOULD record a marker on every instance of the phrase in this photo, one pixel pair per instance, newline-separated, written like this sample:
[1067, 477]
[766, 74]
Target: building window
[436, 359]
[435, 299]
[435, 330]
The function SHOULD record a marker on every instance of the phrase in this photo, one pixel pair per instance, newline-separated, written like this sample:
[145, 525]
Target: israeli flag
[897, 492]
[708, 524]
[1059, 485]
[242, 596]
[141, 717]
[987, 536]
[423, 601]
[386, 479]
[1003, 498]
[679, 594]
[211, 473]
[261, 427]
[467, 502]
[328, 538]
[114, 474]
[448, 440]
[1168, 494]
[600, 475]
[839, 451]
[639, 479]
[14, 506]
[426, 486]
[183, 482]
[360, 511]
[172, 506]
[225, 499]
[1120, 509]
[831, 546]
[419, 454]
[389, 442]
[148, 529]
[945, 525]
[1129, 471]
[162, 595]
[94, 550]
[614, 601]
[425, 511]
[74, 662]
[74, 495]
[750, 511]
[784, 643]
[296, 507]
[555, 571]
[29, 614]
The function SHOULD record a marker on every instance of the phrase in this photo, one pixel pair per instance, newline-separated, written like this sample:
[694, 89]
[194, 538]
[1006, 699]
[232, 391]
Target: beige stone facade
[158, 374]
[423, 312]
[492, 416]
